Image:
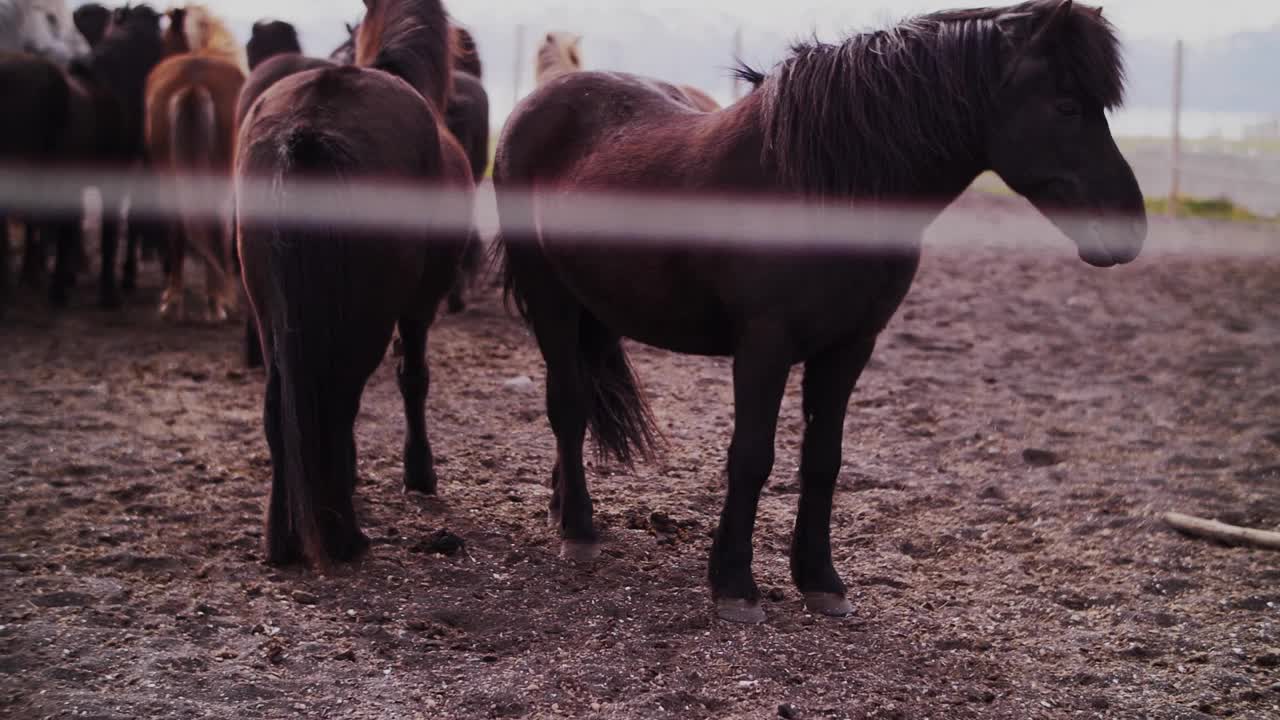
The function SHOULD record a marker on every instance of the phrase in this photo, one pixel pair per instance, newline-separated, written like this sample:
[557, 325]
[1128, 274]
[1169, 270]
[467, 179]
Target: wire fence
[613, 218]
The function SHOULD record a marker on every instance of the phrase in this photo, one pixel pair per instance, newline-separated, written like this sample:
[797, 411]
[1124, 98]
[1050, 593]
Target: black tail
[617, 413]
[306, 265]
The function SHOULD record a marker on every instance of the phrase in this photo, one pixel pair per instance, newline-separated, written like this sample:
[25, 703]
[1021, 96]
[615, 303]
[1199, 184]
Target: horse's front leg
[760, 370]
[828, 382]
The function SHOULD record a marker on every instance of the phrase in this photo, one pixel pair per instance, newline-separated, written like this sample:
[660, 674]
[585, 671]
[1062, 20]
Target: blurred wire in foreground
[694, 220]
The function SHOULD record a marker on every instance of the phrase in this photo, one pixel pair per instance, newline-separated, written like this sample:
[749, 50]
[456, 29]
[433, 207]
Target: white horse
[40, 27]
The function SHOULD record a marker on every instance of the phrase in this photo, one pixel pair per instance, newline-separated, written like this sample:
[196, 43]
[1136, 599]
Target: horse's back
[221, 79]
[36, 93]
[386, 128]
[268, 73]
[586, 114]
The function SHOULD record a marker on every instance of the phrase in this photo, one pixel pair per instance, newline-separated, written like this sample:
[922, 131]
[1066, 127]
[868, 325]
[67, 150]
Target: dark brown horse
[89, 115]
[468, 119]
[327, 299]
[467, 55]
[267, 73]
[907, 115]
[91, 20]
[270, 38]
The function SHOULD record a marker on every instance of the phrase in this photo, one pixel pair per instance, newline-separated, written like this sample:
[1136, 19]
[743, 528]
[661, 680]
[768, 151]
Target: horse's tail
[193, 140]
[617, 414]
[298, 310]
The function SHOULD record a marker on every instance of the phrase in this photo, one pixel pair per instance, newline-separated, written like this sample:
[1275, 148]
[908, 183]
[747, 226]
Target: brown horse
[191, 101]
[909, 115]
[87, 115]
[328, 298]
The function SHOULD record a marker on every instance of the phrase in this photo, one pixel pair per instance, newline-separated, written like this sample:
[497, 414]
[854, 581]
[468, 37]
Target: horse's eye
[1070, 108]
[53, 21]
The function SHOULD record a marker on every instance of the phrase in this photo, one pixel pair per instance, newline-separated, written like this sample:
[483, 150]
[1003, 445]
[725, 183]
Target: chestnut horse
[909, 115]
[191, 101]
[88, 115]
[328, 298]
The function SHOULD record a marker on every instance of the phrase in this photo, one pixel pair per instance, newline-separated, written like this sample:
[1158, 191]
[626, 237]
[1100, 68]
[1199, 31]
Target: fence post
[518, 72]
[1175, 160]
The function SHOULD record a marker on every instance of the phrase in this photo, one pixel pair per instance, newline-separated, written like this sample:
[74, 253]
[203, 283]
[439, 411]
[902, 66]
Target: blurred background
[1230, 116]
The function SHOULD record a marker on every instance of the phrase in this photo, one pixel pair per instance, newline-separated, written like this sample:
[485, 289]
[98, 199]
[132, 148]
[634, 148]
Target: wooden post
[737, 57]
[517, 76]
[1175, 160]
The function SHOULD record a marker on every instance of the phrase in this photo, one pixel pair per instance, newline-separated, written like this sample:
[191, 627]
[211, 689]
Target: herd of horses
[910, 114]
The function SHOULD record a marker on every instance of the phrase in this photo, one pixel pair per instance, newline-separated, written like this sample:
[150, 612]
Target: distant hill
[1237, 73]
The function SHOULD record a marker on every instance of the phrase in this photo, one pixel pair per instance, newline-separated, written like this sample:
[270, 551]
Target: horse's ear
[1027, 28]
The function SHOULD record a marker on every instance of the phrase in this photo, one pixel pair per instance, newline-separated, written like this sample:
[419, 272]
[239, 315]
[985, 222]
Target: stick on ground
[1215, 530]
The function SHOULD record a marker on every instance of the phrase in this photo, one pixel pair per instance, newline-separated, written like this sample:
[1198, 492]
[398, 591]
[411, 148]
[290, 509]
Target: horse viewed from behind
[191, 102]
[327, 299]
[907, 116]
[88, 114]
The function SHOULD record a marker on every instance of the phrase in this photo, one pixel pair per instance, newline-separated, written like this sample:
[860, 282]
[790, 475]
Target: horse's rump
[338, 290]
[268, 73]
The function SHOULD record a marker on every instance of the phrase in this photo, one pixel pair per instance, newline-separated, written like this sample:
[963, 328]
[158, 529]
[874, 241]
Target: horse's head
[175, 35]
[92, 20]
[46, 28]
[271, 37]
[1048, 136]
[568, 46]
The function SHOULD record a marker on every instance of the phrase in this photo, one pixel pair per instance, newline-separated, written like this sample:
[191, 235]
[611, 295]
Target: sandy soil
[1024, 420]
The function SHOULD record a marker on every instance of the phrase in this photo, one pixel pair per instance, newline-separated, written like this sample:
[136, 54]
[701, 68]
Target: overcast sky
[1192, 19]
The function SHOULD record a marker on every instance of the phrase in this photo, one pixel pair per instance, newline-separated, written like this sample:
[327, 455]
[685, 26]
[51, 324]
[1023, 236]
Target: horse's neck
[748, 168]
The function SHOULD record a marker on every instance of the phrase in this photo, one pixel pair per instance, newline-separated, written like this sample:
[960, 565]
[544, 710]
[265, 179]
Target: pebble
[520, 383]
[1035, 457]
[787, 711]
[304, 598]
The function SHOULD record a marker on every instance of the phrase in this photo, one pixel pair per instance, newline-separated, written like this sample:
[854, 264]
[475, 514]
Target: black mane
[883, 111]
[411, 39]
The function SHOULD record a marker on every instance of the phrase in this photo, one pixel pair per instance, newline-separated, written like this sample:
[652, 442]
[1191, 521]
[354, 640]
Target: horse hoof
[578, 551]
[829, 604]
[747, 612]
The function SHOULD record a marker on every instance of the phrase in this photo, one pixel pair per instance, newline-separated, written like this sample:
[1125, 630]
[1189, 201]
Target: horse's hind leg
[759, 380]
[4, 263]
[558, 326]
[172, 299]
[108, 291]
[34, 255]
[68, 243]
[283, 546]
[415, 381]
[828, 381]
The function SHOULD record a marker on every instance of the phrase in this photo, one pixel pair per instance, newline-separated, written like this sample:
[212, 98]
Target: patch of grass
[1219, 208]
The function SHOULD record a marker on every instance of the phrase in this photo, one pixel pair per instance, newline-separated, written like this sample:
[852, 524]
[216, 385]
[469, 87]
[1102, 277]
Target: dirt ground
[1024, 420]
